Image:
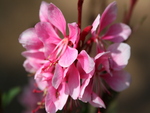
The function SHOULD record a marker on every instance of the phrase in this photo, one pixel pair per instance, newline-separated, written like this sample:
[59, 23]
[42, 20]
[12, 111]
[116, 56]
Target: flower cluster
[78, 64]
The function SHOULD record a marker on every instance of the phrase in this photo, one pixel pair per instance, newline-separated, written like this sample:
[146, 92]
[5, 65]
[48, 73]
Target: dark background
[18, 15]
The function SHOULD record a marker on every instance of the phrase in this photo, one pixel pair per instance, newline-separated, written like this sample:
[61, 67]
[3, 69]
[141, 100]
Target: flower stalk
[80, 4]
[128, 14]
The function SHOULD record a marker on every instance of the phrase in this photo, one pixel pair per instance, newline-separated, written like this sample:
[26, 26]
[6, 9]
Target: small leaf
[8, 96]
[143, 19]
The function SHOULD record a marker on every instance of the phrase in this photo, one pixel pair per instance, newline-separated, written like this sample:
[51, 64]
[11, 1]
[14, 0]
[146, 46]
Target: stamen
[70, 44]
[35, 110]
[45, 92]
[57, 94]
[40, 103]
[47, 68]
[37, 91]
[40, 106]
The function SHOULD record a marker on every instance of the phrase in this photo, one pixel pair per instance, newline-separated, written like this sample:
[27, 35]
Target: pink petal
[84, 85]
[32, 65]
[58, 76]
[73, 81]
[50, 107]
[51, 94]
[49, 51]
[86, 97]
[99, 55]
[87, 63]
[33, 54]
[83, 74]
[68, 57]
[28, 67]
[62, 94]
[73, 32]
[49, 100]
[43, 14]
[91, 97]
[119, 81]
[103, 59]
[117, 33]
[56, 97]
[47, 33]
[95, 24]
[108, 16]
[45, 71]
[97, 101]
[30, 40]
[56, 18]
[34, 60]
[41, 83]
[120, 53]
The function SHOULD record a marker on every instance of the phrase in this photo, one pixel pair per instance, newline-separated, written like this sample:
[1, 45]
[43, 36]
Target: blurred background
[18, 15]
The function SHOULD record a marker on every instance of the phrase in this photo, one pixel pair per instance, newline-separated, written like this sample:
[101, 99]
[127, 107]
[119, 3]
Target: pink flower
[113, 62]
[43, 42]
[93, 85]
[51, 56]
[86, 67]
[117, 32]
[56, 48]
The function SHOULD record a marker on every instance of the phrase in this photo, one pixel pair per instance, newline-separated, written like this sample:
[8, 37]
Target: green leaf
[9, 96]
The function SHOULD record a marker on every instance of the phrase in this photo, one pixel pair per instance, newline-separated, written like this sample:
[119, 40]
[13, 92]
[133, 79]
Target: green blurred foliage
[7, 97]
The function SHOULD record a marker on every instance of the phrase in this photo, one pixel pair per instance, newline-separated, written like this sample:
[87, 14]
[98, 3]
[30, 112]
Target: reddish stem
[80, 2]
[128, 15]
[35, 110]
[98, 111]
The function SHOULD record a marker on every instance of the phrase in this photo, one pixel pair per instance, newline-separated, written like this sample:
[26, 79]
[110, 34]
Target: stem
[80, 2]
[128, 15]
